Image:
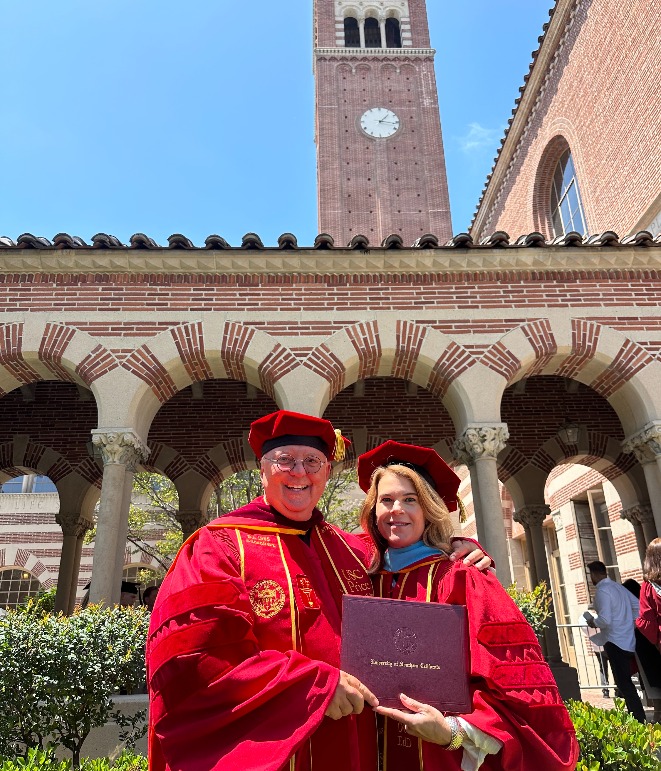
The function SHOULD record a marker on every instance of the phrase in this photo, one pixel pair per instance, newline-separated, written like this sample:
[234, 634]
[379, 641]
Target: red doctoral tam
[423, 460]
[284, 428]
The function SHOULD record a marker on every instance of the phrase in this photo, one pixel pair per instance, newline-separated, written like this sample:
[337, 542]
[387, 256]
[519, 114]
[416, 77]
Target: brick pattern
[122, 328]
[208, 469]
[617, 159]
[11, 353]
[365, 339]
[189, 340]
[451, 363]
[55, 341]
[325, 363]
[625, 544]
[410, 338]
[511, 464]
[236, 339]
[570, 532]
[97, 363]
[275, 366]
[585, 338]
[575, 489]
[581, 593]
[234, 449]
[574, 560]
[540, 336]
[501, 360]
[147, 367]
[630, 359]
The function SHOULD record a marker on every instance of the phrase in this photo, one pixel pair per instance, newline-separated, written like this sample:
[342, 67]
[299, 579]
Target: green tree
[58, 675]
[342, 500]
[534, 604]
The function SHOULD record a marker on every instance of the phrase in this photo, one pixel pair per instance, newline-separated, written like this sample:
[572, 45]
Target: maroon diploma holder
[416, 648]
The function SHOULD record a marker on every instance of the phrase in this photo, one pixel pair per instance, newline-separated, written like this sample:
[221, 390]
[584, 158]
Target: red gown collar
[258, 515]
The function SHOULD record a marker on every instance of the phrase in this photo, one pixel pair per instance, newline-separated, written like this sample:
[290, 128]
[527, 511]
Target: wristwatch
[457, 734]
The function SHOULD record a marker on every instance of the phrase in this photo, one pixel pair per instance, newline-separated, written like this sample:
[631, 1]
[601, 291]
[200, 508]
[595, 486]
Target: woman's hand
[470, 554]
[350, 697]
[423, 722]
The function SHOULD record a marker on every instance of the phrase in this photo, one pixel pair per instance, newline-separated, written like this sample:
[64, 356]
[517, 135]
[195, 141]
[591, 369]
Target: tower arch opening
[393, 33]
[372, 33]
[351, 32]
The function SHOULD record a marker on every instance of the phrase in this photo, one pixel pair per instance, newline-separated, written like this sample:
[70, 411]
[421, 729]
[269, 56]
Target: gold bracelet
[457, 734]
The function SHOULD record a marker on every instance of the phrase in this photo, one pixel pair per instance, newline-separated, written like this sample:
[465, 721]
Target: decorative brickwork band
[531, 516]
[480, 442]
[646, 445]
[72, 523]
[121, 448]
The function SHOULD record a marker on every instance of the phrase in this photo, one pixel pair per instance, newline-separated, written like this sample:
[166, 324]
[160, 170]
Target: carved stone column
[121, 451]
[646, 446]
[636, 515]
[382, 27]
[532, 518]
[74, 528]
[478, 448]
[191, 521]
[361, 32]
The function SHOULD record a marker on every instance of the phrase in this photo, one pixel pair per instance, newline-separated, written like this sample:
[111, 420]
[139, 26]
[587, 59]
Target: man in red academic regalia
[243, 648]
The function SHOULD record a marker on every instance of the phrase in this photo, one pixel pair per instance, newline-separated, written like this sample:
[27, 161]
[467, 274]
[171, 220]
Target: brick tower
[380, 161]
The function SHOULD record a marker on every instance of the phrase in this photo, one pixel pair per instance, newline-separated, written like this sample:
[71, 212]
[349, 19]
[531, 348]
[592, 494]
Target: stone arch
[24, 456]
[14, 556]
[196, 352]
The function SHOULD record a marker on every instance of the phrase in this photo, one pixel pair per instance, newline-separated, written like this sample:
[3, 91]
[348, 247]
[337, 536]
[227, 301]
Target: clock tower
[380, 161]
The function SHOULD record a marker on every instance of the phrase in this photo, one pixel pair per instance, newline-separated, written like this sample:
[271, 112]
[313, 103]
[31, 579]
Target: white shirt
[617, 610]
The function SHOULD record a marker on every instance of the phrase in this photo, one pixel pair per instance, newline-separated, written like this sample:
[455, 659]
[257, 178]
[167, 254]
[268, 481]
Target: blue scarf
[395, 560]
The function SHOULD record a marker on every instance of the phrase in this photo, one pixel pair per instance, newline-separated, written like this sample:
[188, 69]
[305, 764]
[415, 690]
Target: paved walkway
[598, 700]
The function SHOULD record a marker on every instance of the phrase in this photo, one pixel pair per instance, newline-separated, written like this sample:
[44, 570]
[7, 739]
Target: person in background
[596, 639]
[649, 618]
[129, 594]
[518, 720]
[149, 597]
[616, 610]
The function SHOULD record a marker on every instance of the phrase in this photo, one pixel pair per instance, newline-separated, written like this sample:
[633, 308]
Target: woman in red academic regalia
[518, 720]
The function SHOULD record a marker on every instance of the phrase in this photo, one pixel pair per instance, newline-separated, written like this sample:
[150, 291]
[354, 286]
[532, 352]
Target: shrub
[535, 605]
[613, 740]
[58, 675]
[38, 760]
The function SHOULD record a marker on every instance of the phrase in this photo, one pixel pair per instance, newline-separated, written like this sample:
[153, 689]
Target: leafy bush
[58, 675]
[535, 605]
[613, 740]
[38, 760]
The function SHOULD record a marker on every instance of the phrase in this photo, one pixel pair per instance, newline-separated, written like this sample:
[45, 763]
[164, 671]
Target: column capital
[646, 444]
[191, 520]
[480, 442]
[639, 512]
[120, 447]
[72, 523]
[530, 516]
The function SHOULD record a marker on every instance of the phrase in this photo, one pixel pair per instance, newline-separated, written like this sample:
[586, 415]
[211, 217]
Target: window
[16, 586]
[351, 33]
[566, 206]
[372, 33]
[30, 483]
[393, 34]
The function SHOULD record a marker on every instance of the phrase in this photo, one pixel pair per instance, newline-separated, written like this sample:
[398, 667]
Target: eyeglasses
[311, 463]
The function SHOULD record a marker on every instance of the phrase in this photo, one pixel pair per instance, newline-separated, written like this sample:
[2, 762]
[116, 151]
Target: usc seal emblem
[267, 598]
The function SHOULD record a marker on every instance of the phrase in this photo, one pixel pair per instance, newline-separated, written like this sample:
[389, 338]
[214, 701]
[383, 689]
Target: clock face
[379, 122]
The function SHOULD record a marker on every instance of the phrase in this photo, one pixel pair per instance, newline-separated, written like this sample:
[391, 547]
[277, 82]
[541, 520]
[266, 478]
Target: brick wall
[601, 95]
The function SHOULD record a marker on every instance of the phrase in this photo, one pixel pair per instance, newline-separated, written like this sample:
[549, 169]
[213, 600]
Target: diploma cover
[416, 648]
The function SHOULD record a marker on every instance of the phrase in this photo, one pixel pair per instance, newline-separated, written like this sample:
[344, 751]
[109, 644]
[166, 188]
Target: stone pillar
[191, 521]
[478, 448]
[121, 451]
[382, 27]
[532, 517]
[636, 515]
[361, 32]
[73, 530]
[646, 446]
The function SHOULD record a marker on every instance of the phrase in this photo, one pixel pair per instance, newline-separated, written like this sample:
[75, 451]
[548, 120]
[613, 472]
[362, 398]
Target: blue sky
[156, 116]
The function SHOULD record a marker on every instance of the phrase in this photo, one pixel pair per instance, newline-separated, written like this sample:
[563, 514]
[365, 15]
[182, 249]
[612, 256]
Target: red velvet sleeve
[648, 619]
[515, 698]
[216, 700]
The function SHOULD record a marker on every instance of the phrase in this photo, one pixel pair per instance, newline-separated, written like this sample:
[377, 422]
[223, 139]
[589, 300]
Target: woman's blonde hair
[438, 525]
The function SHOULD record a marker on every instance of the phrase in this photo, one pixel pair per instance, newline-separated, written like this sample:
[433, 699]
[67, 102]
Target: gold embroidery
[242, 555]
[292, 604]
[267, 598]
[356, 581]
[330, 559]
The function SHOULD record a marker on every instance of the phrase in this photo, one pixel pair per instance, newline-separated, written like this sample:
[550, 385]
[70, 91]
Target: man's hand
[423, 722]
[470, 554]
[350, 697]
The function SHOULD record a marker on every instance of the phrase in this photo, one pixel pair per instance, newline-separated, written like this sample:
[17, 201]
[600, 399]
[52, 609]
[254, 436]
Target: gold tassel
[463, 514]
[340, 449]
